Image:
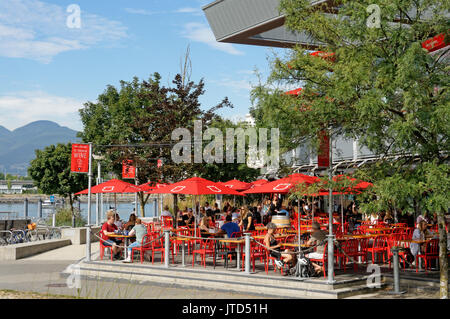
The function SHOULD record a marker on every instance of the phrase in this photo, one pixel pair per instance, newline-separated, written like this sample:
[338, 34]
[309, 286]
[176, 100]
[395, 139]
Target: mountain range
[17, 147]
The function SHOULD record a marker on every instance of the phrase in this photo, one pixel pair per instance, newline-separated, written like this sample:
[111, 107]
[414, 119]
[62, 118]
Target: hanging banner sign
[323, 159]
[80, 158]
[128, 170]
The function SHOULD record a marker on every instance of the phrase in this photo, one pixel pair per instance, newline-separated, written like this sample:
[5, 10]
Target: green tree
[143, 115]
[380, 86]
[51, 172]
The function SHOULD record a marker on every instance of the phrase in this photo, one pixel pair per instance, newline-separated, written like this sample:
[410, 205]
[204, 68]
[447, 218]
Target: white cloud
[142, 11]
[38, 30]
[198, 32]
[235, 85]
[196, 11]
[20, 108]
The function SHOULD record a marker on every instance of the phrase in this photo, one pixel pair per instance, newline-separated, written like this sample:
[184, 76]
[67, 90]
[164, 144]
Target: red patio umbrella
[283, 185]
[237, 185]
[195, 186]
[113, 186]
[259, 182]
[151, 186]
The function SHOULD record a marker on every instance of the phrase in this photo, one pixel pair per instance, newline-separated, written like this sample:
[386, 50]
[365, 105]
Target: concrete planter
[78, 235]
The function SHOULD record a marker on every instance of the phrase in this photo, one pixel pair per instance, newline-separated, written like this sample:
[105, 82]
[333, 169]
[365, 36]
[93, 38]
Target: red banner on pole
[128, 170]
[323, 158]
[80, 158]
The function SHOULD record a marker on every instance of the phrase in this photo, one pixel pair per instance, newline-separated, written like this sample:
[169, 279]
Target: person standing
[247, 220]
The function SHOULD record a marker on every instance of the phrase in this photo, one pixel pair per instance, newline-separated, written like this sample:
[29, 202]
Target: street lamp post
[88, 229]
[330, 217]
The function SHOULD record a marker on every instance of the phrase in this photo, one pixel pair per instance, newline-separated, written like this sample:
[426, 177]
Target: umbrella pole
[342, 213]
[299, 227]
[115, 202]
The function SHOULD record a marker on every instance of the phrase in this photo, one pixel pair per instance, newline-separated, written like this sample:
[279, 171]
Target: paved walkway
[41, 274]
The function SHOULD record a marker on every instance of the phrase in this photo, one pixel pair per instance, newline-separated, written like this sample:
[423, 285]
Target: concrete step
[230, 280]
[18, 251]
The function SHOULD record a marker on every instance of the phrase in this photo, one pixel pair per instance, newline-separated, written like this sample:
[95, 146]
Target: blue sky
[47, 70]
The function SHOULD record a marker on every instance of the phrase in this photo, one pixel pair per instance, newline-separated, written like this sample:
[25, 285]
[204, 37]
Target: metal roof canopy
[259, 22]
[254, 22]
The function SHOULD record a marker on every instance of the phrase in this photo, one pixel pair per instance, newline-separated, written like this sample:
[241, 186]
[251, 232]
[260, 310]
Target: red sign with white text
[128, 170]
[323, 159]
[80, 158]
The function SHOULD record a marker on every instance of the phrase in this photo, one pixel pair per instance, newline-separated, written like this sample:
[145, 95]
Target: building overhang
[259, 22]
[255, 22]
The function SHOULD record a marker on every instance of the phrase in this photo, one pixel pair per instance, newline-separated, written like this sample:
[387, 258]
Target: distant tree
[51, 172]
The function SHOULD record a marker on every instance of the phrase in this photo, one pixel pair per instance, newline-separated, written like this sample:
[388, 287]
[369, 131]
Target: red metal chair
[103, 247]
[158, 246]
[206, 248]
[323, 260]
[351, 250]
[431, 252]
[183, 231]
[267, 260]
[145, 246]
[379, 247]
[256, 251]
[393, 241]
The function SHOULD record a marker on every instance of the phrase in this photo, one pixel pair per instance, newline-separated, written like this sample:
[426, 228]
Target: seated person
[318, 237]
[283, 211]
[274, 248]
[189, 218]
[131, 222]
[118, 222]
[216, 209]
[420, 233]
[180, 218]
[140, 231]
[388, 219]
[229, 227]
[109, 229]
[204, 226]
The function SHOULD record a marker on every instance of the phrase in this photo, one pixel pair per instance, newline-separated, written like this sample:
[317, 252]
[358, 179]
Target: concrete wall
[77, 236]
[18, 251]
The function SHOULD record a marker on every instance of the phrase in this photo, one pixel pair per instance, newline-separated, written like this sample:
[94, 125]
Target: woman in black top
[275, 249]
[247, 220]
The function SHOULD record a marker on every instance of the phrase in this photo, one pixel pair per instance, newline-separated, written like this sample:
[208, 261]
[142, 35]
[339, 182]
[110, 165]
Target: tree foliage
[378, 86]
[51, 172]
[143, 115]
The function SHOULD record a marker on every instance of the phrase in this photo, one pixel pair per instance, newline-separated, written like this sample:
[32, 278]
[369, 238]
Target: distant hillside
[17, 147]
